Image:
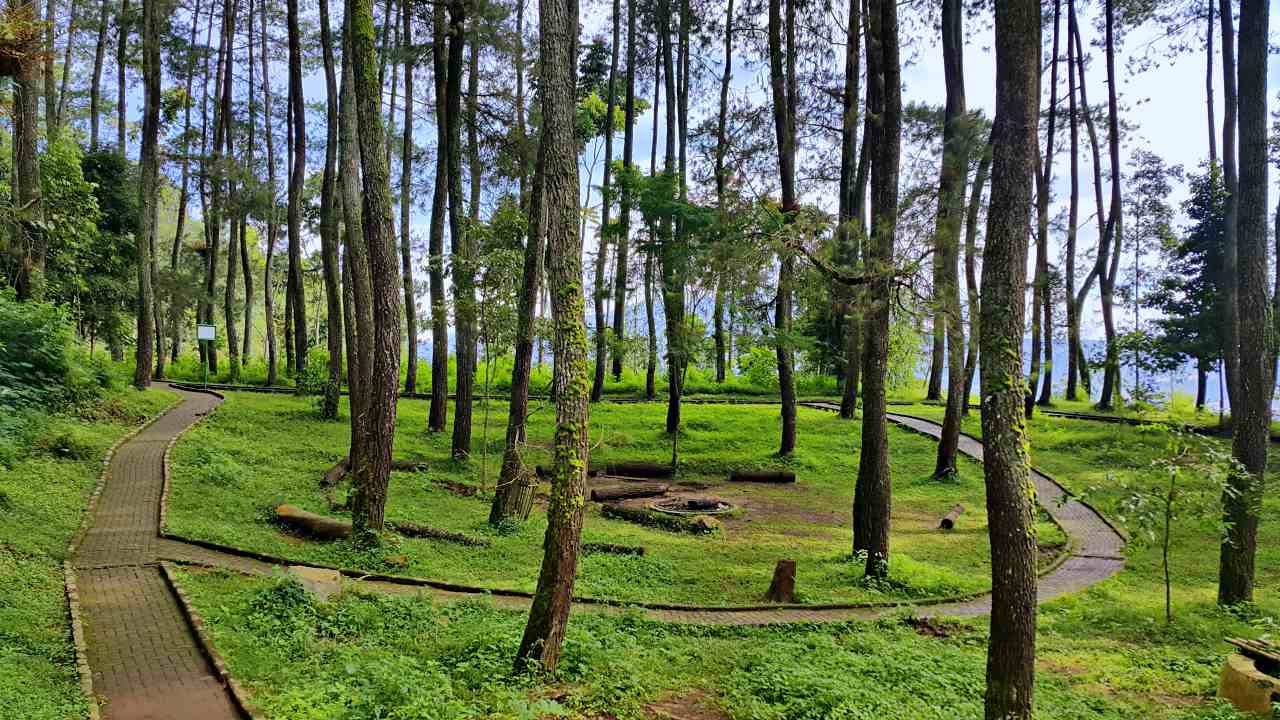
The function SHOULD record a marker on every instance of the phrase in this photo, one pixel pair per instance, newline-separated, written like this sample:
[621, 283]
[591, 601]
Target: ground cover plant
[257, 450]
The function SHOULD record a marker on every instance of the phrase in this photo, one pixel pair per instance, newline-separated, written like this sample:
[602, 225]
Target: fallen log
[782, 589]
[408, 465]
[763, 476]
[652, 471]
[415, 530]
[329, 528]
[611, 549]
[697, 524]
[628, 492]
[948, 521]
[318, 526]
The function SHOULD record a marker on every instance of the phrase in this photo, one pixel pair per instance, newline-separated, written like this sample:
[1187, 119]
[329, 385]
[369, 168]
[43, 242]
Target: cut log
[763, 476]
[652, 471]
[628, 492]
[611, 549]
[782, 589]
[697, 524]
[318, 526]
[415, 530]
[948, 521]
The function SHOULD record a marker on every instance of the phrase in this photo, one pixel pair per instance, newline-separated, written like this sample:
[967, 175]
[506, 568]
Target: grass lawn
[1103, 653]
[259, 450]
[44, 487]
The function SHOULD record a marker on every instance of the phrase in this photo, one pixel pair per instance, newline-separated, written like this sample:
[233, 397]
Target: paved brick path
[145, 662]
[147, 666]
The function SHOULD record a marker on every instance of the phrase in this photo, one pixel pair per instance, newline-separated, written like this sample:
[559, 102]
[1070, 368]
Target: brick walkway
[146, 663]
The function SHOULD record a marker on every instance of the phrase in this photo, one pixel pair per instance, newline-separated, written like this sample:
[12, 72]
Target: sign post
[206, 334]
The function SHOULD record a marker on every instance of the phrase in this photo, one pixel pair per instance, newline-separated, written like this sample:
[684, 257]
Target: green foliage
[39, 362]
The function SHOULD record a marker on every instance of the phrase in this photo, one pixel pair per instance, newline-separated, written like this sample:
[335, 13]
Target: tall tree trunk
[601, 284]
[783, 86]
[651, 358]
[1208, 85]
[224, 187]
[99, 60]
[951, 210]
[250, 166]
[1044, 184]
[147, 189]
[406, 206]
[1256, 379]
[1074, 367]
[623, 236]
[1111, 376]
[850, 233]
[971, 271]
[297, 178]
[439, 411]
[871, 504]
[1228, 289]
[184, 192]
[329, 230]
[1010, 518]
[373, 475]
[50, 91]
[212, 169]
[60, 113]
[544, 633]
[460, 243]
[273, 225]
[670, 254]
[28, 234]
[123, 23]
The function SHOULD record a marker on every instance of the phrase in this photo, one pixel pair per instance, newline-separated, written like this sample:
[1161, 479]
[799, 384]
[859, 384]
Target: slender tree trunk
[1111, 378]
[623, 237]
[1074, 367]
[28, 215]
[373, 475]
[359, 316]
[1251, 424]
[782, 84]
[871, 505]
[601, 287]
[460, 244]
[297, 178]
[1010, 518]
[225, 188]
[1228, 289]
[1208, 85]
[971, 271]
[250, 166]
[438, 415]
[1043, 192]
[651, 359]
[850, 233]
[951, 209]
[123, 23]
[670, 255]
[147, 195]
[406, 206]
[549, 614]
[212, 168]
[184, 192]
[99, 60]
[329, 230]
[268, 289]
[61, 113]
[50, 91]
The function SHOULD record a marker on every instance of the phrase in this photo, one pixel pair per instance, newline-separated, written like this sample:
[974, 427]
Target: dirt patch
[456, 487]
[694, 705]
[929, 627]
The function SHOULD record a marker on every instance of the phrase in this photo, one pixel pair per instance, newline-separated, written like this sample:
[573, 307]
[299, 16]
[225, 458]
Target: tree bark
[1251, 423]
[601, 287]
[850, 233]
[670, 255]
[329, 220]
[1208, 85]
[1074, 367]
[147, 189]
[438, 415]
[123, 22]
[268, 288]
[223, 191]
[951, 208]
[460, 244]
[1044, 184]
[871, 505]
[544, 634]
[1111, 375]
[651, 358]
[1010, 518]
[373, 475]
[28, 216]
[406, 206]
[297, 178]
[1228, 289]
[971, 271]
[623, 236]
[783, 86]
[99, 60]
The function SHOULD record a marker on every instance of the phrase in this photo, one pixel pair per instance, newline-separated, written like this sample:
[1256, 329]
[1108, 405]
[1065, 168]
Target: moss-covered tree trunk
[382, 390]
[1010, 519]
[544, 634]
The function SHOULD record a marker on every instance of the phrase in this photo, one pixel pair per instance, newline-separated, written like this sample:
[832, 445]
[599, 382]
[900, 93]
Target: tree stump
[782, 589]
[948, 521]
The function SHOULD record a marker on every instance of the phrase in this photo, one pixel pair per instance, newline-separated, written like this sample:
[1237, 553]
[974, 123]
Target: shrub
[35, 353]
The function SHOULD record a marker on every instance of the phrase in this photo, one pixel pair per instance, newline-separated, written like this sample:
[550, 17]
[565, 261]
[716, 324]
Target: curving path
[146, 662]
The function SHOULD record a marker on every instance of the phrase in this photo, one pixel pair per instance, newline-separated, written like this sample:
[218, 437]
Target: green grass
[373, 656]
[1103, 653]
[257, 451]
[43, 493]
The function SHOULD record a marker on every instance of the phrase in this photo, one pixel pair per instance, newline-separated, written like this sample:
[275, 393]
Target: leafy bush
[37, 357]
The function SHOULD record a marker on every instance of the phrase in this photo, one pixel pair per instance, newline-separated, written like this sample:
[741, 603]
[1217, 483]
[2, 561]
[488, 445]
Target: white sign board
[205, 332]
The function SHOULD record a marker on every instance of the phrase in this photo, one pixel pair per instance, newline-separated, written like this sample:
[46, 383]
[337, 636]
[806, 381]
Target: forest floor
[47, 472]
[1103, 653]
